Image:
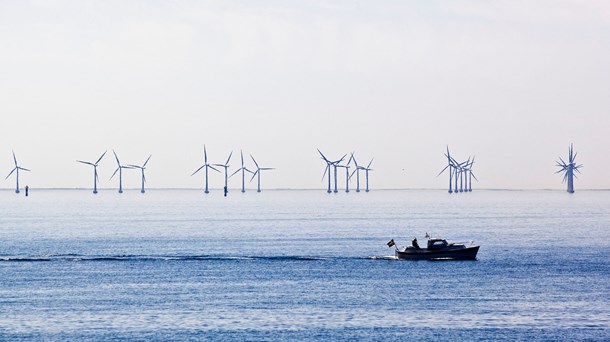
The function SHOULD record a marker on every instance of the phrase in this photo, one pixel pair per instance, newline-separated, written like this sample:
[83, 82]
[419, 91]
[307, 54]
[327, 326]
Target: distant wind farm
[460, 173]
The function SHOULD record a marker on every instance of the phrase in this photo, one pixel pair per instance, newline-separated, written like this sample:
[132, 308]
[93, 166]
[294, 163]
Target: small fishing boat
[438, 249]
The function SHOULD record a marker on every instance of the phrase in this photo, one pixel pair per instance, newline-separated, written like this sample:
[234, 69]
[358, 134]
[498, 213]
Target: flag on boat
[391, 243]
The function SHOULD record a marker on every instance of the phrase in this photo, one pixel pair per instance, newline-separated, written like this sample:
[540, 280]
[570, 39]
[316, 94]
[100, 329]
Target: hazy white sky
[513, 82]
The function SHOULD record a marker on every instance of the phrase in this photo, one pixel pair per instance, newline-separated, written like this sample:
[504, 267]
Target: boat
[438, 249]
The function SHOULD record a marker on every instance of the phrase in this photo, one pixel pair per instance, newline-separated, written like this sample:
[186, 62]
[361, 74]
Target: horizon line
[309, 189]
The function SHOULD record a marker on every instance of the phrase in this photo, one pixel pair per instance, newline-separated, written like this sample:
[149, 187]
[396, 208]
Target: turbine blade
[202, 166]
[323, 157]
[242, 157]
[475, 177]
[267, 168]
[146, 162]
[22, 168]
[255, 163]
[10, 173]
[211, 167]
[228, 159]
[370, 163]
[115, 171]
[117, 158]
[324, 175]
[84, 162]
[205, 154]
[254, 175]
[103, 154]
[236, 171]
[442, 171]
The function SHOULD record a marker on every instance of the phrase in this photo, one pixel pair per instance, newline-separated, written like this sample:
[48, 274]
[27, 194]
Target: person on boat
[415, 244]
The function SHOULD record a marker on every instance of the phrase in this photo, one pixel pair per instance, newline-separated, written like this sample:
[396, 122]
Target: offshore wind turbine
[206, 166]
[326, 170]
[569, 168]
[226, 166]
[450, 166]
[95, 177]
[142, 168]
[462, 167]
[357, 172]
[366, 170]
[347, 177]
[258, 172]
[243, 170]
[16, 169]
[120, 170]
[470, 175]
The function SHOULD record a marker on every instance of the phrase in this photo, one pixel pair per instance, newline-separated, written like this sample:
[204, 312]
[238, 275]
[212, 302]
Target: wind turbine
[335, 166]
[206, 166]
[347, 177]
[357, 172]
[367, 169]
[449, 166]
[17, 168]
[258, 172]
[142, 168]
[462, 166]
[95, 177]
[568, 169]
[470, 176]
[326, 170]
[243, 170]
[120, 170]
[226, 166]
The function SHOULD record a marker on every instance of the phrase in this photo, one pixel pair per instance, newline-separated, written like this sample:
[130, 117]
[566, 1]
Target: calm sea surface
[302, 265]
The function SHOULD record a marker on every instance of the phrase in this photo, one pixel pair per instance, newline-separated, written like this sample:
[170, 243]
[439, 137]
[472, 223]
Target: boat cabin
[437, 243]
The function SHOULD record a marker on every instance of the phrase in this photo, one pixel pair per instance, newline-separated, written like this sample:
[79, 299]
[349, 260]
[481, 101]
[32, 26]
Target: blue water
[302, 265]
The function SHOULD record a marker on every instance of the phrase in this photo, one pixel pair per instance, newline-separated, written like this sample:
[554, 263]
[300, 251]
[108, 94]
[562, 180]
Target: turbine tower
[226, 166]
[120, 170]
[16, 169]
[142, 168]
[366, 170]
[450, 166]
[470, 176]
[258, 172]
[357, 172]
[243, 170]
[568, 169]
[326, 170]
[95, 177]
[462, 166]
[206, 166]
[346, 167]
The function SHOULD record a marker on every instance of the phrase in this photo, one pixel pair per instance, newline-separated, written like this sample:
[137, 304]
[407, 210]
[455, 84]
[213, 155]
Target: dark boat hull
[466, 253]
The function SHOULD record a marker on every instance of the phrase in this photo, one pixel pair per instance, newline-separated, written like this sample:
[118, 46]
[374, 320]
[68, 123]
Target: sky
[510, 82]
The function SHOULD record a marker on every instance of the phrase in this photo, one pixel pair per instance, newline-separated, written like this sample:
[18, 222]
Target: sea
[302, 265]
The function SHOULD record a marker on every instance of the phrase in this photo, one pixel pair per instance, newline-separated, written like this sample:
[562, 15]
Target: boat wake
[152, 258]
